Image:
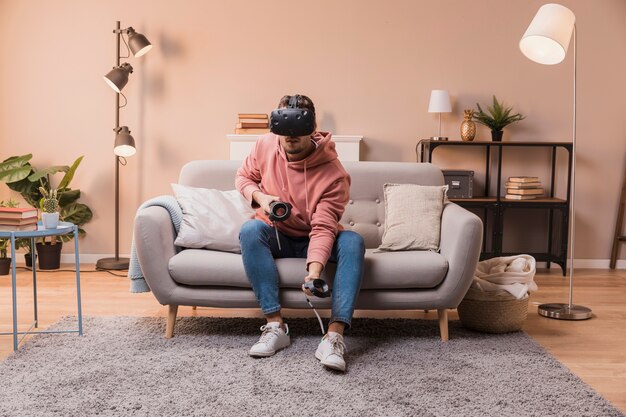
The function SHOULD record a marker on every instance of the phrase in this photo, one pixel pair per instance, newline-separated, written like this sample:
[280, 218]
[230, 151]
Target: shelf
[495, 206]
[483, 200]
[541, 200]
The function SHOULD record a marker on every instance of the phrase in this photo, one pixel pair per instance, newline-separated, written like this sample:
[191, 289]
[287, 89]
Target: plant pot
[5, 266]
[28, 259]
[496, 135]
[49, 255]
[50, 220]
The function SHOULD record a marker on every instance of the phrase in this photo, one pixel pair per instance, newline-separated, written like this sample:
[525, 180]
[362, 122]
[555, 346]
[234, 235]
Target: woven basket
[498, 314]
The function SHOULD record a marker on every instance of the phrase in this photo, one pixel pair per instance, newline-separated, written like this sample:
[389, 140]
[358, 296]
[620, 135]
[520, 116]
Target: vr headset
[292, 121]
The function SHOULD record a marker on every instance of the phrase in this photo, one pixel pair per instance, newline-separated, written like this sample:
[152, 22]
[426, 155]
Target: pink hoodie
[317, 187]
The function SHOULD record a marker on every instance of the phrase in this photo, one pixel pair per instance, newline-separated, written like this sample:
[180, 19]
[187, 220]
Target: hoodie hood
[324, 152]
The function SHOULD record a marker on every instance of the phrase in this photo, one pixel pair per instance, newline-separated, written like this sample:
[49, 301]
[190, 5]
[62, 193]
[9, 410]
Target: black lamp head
[138, 44]
[124, 143]
[117, 78]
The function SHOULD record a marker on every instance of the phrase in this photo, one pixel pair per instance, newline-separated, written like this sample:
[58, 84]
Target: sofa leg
[194, 307]
[171, 320]
[443, 323]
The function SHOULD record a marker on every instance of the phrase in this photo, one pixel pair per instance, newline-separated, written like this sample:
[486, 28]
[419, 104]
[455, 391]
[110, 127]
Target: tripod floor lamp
[546, 41]
[124, 146]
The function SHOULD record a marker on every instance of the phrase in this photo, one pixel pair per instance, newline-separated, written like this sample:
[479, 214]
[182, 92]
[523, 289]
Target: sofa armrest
[461, 241]
[154, 241]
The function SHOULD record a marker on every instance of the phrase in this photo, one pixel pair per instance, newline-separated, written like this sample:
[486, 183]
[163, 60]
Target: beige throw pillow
[211, 218]
[412, 217]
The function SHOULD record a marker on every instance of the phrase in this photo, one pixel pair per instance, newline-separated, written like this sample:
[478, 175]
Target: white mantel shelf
[347, 146]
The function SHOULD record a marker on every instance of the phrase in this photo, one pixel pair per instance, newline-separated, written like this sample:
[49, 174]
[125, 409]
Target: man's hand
[264, 200]
[315, 270]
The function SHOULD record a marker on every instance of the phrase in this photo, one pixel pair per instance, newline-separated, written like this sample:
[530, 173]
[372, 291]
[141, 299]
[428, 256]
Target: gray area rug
[123, 366]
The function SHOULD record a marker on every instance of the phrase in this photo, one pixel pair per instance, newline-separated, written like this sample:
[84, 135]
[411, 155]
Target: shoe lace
[269, 333]
[337, 346]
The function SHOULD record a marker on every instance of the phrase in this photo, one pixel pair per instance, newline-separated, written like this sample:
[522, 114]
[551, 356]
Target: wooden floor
[595, 349]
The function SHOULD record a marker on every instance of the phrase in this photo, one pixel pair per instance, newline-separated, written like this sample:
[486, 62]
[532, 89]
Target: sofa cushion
[390, 270]
[412, 217]
[211, 218]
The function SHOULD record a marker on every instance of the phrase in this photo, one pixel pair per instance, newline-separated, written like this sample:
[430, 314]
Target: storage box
[460, 183]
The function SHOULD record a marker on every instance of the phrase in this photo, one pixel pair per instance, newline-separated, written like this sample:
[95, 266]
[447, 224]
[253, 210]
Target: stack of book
[252, 124]
[18, 218]
[523, 188]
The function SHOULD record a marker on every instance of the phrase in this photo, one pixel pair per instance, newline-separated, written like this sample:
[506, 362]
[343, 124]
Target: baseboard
[92, 258]
[589, 264]
[85, 258]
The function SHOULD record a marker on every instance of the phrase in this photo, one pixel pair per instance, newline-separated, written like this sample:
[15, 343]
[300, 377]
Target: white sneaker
[273, 339]
[331, 350]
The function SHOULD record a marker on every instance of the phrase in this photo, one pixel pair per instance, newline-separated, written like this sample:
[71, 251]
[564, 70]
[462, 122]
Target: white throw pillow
[211, 218]
[412, 217]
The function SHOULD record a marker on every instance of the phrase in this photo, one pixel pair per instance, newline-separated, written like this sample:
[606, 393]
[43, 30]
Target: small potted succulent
[5, 262]
[496, 118]
[49, 206]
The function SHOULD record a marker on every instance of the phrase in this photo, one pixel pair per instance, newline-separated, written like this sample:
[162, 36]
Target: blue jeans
[259, 248]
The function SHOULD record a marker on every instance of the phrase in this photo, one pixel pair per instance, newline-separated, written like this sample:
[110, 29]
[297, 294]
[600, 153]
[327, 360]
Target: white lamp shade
[547, 38]
[439, 102]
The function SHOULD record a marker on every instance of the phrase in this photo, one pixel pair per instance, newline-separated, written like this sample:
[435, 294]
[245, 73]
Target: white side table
[64, 228]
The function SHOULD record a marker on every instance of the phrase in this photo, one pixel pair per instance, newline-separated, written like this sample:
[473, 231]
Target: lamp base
[439, 138]
[562, 311]
[113, 263]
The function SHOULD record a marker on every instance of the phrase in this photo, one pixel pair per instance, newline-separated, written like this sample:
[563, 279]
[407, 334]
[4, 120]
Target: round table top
[62, 229]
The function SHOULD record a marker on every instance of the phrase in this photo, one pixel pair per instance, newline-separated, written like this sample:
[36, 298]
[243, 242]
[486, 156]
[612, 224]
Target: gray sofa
[392, 280]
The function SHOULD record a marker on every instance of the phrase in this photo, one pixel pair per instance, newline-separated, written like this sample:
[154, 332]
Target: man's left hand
[315, 270]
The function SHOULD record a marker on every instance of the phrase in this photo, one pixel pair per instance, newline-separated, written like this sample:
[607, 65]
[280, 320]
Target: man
[303, 171]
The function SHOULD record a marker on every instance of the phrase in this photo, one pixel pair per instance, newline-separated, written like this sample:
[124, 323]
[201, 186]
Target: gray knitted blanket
[137, 281]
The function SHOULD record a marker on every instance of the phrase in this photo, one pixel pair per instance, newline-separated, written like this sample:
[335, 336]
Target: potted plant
[496, 118]
[49, 206]
[24, 178]
[5, 262]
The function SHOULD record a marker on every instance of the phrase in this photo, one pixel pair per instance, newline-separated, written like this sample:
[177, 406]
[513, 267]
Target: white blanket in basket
[513, 274]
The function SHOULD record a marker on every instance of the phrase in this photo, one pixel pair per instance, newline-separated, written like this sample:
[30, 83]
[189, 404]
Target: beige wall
[368, 65]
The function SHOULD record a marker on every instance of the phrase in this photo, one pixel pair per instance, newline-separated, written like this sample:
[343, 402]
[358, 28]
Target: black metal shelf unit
[495, 206]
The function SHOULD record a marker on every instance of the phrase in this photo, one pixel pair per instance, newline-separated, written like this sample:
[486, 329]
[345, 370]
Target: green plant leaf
[76, 213]
[69, 175]
[68, 197]
[48, 171]
[15, 168]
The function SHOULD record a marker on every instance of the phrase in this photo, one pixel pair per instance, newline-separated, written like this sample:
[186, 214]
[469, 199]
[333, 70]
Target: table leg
[14, 291]
[33, 250]
[77, 263]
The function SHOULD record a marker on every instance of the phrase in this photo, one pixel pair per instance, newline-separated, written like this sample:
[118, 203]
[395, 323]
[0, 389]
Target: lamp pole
[116, 263]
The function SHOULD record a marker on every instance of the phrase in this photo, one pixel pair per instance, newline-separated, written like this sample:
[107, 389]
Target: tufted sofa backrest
[365, 212]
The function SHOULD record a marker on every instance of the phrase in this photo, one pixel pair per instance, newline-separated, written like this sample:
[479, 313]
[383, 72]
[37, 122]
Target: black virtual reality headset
[292, 121]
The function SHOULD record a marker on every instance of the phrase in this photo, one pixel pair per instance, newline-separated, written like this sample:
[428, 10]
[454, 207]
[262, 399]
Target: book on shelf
[519, 197]
[17, 212]
[18, 227]
[14, 221]
[252, 116]
[248, 125]
[523, 184]
[252, 131]
[528, 191]
[523, 179]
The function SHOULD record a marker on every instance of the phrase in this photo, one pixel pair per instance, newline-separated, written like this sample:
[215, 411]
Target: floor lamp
[124, 145]
[546, 41]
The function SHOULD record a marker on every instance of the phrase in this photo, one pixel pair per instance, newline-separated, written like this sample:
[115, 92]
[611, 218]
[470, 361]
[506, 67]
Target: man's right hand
[264, 200]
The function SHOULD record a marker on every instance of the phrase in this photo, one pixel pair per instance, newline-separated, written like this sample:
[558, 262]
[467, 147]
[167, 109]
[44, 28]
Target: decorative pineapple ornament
[468, 127]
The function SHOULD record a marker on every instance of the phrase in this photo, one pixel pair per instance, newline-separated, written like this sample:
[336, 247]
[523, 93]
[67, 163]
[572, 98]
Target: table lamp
[439, 103]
